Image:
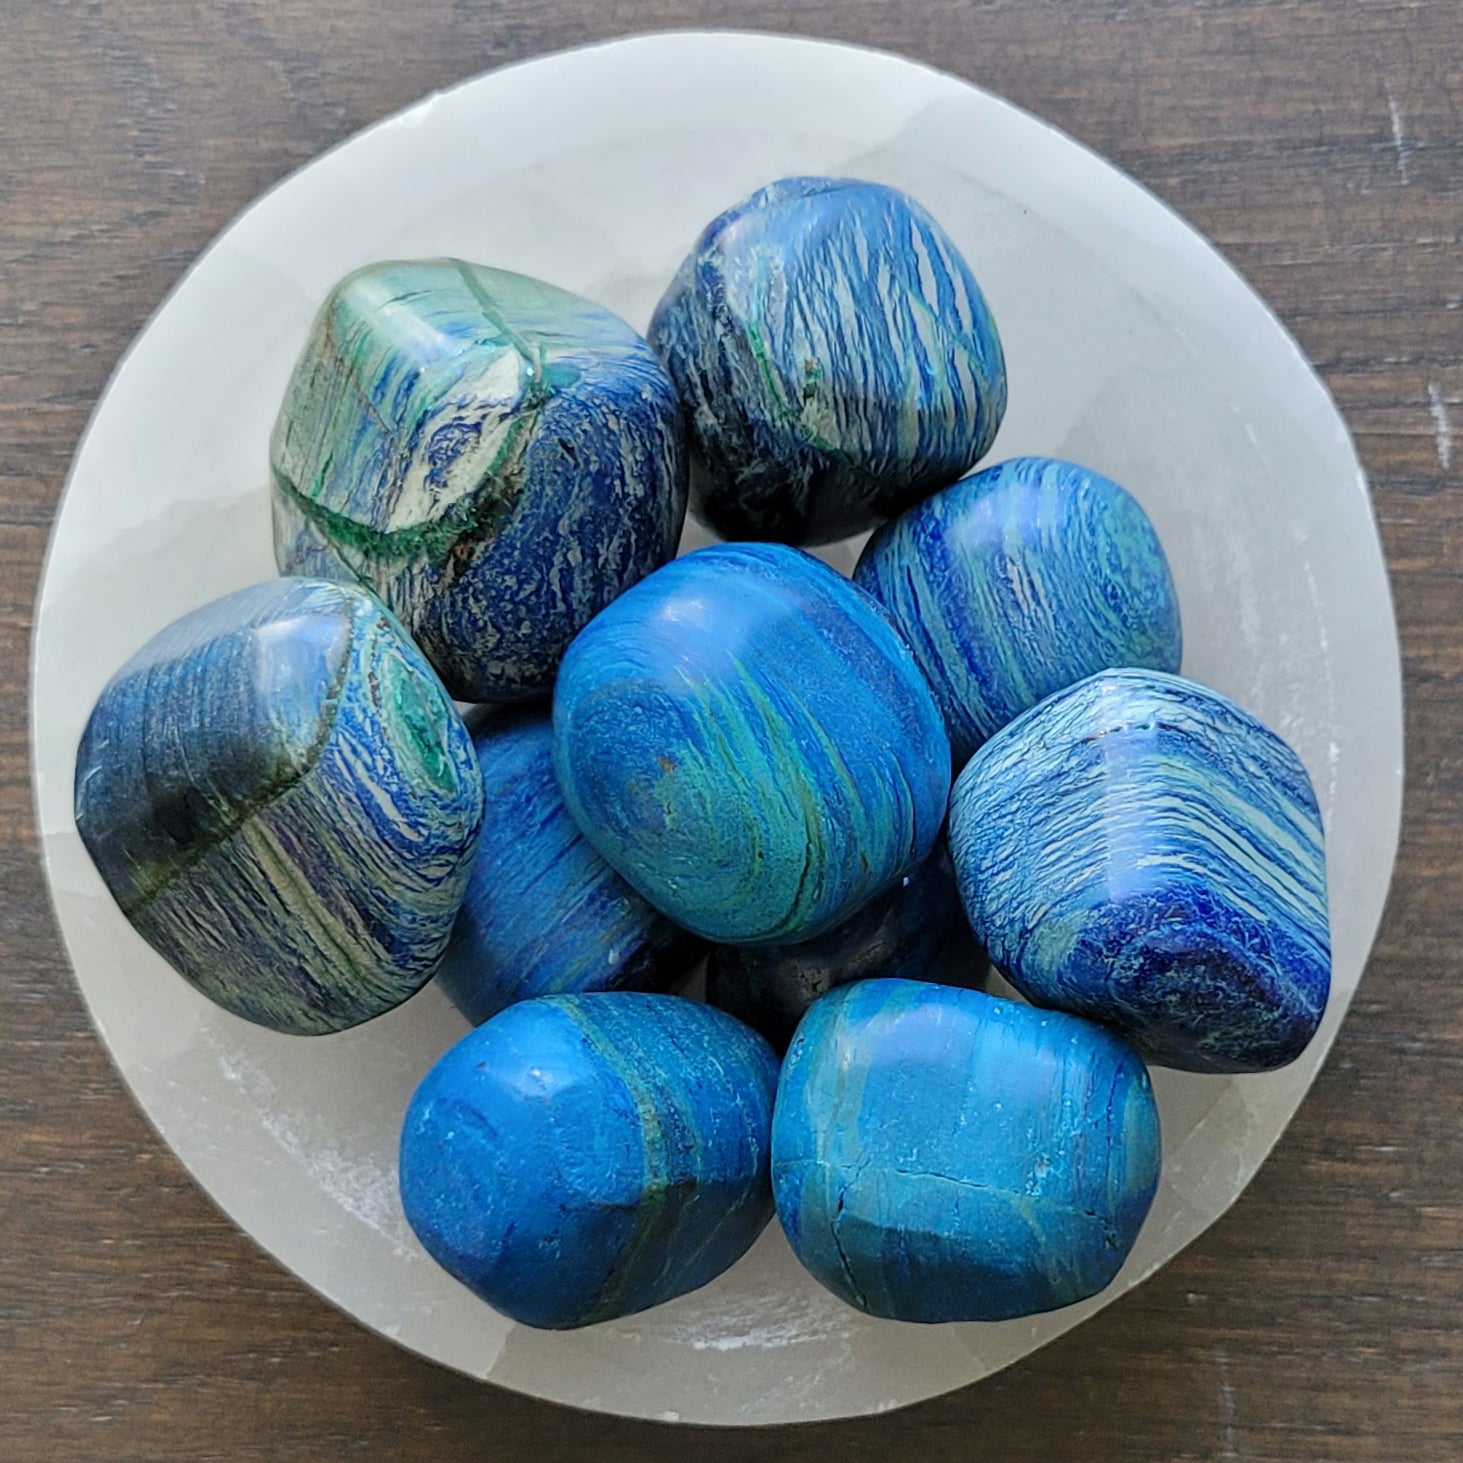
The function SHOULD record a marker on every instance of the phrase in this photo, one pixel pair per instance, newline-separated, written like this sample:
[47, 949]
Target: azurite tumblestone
[746, 739]
[281, 797]
[544, 914]
[579, 1158]
[1140, 850]
[836, 356]
[495, 457]
[942, 1155]
[1019, 580]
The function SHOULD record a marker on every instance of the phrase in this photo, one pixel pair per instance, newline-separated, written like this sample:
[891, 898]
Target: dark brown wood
[1320, 143]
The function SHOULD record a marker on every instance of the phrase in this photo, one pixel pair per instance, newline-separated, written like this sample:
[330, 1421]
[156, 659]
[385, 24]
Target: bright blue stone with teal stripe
[544, 914]
[745, 738]
[579, 1158]
[1142, 851]
[941, 1155]
[1018, 581]
[836, 356]
[284, 802]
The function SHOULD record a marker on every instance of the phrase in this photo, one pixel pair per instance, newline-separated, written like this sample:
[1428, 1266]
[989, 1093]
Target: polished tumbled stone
[941, 1155]
[747, 741]
[544, 914]
[493, 456]
[284, 802]
[836, 356]
[1140, 850]
[579, 1158]
[1022, 579]
[915, 931]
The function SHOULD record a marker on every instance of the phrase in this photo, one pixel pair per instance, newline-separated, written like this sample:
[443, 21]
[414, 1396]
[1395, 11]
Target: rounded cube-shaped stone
[1142, 851]
[747, 741]
[579, 1158]
[544, 914]
[836, 356]
[915, 930]
[1022, 579]
[284, 802]
[941, 1155]
[495, 457]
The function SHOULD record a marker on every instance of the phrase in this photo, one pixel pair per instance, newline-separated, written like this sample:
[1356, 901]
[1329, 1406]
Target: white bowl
[1132, 347]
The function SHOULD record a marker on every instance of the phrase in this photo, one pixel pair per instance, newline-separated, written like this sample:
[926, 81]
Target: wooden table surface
[1320, 144]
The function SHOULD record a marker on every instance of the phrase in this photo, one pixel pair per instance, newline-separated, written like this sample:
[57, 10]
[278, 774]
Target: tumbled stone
[493, 456]
[284, 802]
[747, 741]
[579, 1158]
[1142, 851]
[1022, 579]
[836, 356]
[544, 914]
[941, 1155]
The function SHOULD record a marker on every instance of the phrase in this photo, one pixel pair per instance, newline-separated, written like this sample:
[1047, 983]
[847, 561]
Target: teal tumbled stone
[495, 457]
[281, 797]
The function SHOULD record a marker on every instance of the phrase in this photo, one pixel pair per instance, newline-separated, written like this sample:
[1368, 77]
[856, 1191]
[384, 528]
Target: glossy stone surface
[747, 741]
[579, 1158]
[941, 1155]
[284, 802]
[916, 930]
[836, 356]
[1022, 579]
[544, 914]
[495, 457]
[1140, 850]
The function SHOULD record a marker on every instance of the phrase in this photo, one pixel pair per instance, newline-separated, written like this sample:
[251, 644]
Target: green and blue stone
[942, 1155]
[580, 1158]
[283, 801]
[544, 914]
[836, 356]
[494, 457]
[1018, 581]
[1140, 850]
[745, 738]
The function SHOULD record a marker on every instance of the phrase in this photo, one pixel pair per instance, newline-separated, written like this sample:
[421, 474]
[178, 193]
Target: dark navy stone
[544, 913]
[836, 357]
[747, 741]
[915, 931]
[284, 802]
[495, 457]
[579, 1158]
[941, 1155]
[1140, 850]
[1018, 581]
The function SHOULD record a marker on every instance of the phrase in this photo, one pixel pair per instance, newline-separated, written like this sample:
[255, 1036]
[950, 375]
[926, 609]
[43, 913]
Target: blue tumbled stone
[544, 914]
[493, 456]
[916, 930]
[941, 1155]
[1140, 850]
[579, 1158]
[1018, 581]
[284, 802]
[747, 741]
[836, 356]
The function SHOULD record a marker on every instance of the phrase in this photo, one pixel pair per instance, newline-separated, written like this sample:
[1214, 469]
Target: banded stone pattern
[284, 802]
[747, 741]
[544, 914]
[495, 457]
[1140, 850]
[836, 356]
[941, 1155]
[916, 930]
[579, 1158]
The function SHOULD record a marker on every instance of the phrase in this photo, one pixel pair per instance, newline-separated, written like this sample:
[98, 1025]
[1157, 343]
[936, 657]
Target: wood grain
[1320, 144]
